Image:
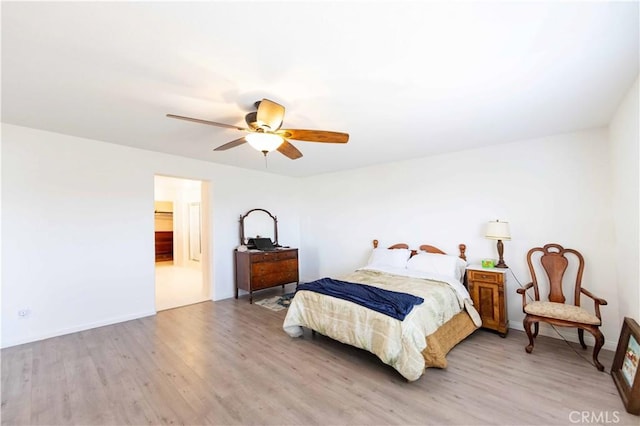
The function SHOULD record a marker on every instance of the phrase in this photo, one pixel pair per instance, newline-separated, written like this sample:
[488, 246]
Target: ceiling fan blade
[211, 123]
[314, 135]
[252, 120]
[231, 144]
[289, 150]
[270, 114]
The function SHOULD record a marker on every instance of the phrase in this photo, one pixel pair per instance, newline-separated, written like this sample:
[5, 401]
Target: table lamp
[499, 231]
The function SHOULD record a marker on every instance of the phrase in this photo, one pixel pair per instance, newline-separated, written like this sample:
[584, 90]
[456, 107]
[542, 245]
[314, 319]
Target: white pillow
[439, 264]
[396, 258]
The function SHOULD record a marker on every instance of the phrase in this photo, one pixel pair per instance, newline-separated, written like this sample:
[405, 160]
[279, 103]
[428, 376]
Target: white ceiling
[404, 79]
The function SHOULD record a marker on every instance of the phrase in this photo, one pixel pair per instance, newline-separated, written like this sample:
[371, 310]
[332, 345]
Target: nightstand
[487, 288]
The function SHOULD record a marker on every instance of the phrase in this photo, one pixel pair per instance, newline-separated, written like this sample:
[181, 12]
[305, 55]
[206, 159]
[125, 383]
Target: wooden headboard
[427, 248]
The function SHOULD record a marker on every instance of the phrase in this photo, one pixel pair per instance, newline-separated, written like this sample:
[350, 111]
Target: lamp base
[500, 263]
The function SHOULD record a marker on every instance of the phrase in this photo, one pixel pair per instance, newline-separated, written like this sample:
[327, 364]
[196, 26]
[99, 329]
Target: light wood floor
[230, 362]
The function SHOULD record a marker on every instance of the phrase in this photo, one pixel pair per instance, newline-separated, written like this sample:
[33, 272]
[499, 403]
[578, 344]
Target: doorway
[180, 213]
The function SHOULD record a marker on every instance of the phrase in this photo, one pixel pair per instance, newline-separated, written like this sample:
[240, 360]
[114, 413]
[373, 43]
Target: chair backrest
[554, 262]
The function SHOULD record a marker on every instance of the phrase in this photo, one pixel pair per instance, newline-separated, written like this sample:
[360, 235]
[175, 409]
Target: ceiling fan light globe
[264, 141]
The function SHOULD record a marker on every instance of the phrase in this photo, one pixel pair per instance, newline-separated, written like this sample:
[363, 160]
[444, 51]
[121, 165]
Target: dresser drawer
[273, 256]
[274, 279]
[488, 277]
[262, 268]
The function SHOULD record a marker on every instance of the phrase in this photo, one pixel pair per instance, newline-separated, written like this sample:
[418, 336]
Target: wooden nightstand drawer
[489, 276]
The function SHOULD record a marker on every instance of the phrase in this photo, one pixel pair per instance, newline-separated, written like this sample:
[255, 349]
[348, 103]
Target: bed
[428, 332]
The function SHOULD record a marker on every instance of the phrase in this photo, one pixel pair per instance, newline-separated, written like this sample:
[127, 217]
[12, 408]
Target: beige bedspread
[397, 343]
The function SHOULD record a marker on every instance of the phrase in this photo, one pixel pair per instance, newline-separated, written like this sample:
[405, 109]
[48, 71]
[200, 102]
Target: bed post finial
[375, 243]
[462, 248]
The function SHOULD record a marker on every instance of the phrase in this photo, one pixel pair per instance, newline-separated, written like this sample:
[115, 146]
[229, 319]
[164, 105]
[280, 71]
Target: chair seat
[562, 312]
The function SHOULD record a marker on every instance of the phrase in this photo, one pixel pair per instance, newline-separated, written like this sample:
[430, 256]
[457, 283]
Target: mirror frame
[275, 225]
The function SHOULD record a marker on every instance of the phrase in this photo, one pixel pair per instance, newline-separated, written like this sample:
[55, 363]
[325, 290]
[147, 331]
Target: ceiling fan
[265, 134]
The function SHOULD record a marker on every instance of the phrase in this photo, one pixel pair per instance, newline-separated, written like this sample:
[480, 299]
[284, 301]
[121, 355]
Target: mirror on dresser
[258, 223]
[270, 267]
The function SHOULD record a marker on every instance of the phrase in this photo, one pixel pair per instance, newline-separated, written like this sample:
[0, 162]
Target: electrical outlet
[24, 313]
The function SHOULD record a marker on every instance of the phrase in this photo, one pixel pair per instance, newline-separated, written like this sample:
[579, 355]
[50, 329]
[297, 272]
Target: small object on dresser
[487, 263]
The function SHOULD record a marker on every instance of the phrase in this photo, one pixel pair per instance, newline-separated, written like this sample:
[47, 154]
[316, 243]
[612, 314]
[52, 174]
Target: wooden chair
[554, 261]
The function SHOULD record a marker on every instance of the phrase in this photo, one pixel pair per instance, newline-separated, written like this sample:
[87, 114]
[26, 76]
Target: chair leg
[536, 326]
[581, 338]
[596, 349]
[527, 327]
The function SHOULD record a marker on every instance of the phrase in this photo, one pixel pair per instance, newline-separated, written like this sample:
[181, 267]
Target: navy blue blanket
[392, 303]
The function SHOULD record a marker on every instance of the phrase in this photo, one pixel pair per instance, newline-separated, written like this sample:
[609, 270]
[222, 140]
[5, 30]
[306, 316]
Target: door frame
[206, 259]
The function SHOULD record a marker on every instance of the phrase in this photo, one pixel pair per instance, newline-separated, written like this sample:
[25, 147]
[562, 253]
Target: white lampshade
[264, 142]
[498, 231]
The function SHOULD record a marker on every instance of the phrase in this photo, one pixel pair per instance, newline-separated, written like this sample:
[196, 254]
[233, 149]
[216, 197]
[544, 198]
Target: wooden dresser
[487, 288]
[257, 270]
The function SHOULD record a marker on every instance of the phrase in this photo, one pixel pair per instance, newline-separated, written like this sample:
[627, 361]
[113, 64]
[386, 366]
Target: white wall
[554, 189]
[625, 160]
[78, 228]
